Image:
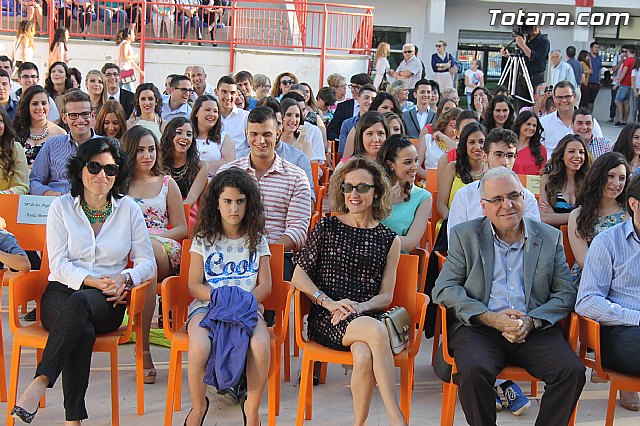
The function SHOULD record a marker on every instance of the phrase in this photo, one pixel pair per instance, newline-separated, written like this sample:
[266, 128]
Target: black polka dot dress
[346, 263]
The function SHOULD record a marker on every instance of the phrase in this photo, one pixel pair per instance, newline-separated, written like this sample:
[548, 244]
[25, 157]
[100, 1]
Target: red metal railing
[296, 25]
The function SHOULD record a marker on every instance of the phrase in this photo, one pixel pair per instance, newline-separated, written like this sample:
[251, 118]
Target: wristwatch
[537, 324]
[128, 283]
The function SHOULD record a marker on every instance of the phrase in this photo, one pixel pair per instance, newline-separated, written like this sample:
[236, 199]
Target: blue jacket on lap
[232, 316]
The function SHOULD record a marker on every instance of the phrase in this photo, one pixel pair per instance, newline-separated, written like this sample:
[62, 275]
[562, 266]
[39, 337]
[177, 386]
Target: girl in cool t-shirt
[229, 248]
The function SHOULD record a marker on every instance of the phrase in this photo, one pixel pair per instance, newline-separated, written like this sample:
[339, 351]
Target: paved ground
[332, 401]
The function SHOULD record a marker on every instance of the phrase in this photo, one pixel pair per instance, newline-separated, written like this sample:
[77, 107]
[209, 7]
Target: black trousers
[481, 352]
[73, 318]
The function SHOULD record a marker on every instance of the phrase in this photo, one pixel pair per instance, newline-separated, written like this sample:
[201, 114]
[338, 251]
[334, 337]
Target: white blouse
[75, 252]
[432, 154]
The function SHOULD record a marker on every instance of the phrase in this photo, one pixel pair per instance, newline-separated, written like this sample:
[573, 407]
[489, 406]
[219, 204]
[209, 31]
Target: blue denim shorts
[623, 94]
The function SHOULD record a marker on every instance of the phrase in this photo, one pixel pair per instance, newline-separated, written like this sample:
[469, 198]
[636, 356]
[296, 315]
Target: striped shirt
[49, 172]
[609, 291]
[286, 198]
[599, 146]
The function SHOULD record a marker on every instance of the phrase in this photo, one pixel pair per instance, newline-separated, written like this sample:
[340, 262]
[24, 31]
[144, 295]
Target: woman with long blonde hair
[381, 62]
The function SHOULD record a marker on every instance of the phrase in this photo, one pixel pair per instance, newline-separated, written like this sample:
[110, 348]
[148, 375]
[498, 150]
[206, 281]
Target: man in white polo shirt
[558, 124]
[234, 119]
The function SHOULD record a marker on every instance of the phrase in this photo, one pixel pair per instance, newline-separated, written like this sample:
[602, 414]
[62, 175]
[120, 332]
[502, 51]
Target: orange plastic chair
[30, 237]
[405, 295]
[431, 182]
[315, 173]
[3, 374]
[30, 286]
[315, 217]
[568, 251]
[321, 192]
[423, 261]
[442, 258]
[427, 237]
[435, 216]
[450, 389]
[176, 299]
[589, 332]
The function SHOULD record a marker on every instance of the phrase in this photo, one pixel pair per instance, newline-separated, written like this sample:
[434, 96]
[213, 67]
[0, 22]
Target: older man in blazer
[506, 286]
[416, 118]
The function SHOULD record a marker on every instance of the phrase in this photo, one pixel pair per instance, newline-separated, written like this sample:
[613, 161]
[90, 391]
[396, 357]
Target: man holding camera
[535, 49]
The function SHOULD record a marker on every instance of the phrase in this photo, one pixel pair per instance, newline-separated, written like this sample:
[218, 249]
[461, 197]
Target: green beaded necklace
[96, 215]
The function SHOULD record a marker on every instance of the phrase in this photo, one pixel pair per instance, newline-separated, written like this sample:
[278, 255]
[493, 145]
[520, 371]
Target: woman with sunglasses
[283, 84]
[347, 268]
[31, 124]
[411, 204]
[442, 64]
[90, 238]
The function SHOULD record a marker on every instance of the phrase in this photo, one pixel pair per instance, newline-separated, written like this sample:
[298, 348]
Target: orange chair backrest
[315, 167]
[277, 300]
[315, 217]
[568, 252]
[176, 297]
[431, 182]
[30, 237]
[589, 332]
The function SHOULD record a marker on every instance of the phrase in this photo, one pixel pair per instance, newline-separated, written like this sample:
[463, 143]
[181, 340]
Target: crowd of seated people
[244, 171]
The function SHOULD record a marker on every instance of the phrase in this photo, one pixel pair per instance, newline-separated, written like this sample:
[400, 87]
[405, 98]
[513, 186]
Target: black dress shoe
[23, 415]
[206, 398]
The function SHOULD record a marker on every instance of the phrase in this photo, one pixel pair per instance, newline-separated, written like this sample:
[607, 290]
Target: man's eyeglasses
[186, 91]
[513, 197]
[75, 115]
[112, 74]
[500, 155]
[564, 98]
[361, 188]
[354, 86]
[286, 82]
[29, 76]
[109, 169]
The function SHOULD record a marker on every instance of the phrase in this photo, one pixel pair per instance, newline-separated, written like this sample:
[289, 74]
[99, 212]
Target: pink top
[526, 163]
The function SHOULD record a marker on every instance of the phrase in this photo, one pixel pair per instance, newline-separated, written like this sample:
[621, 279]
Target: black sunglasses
[109, 169]
[361, 188]
[286, 82]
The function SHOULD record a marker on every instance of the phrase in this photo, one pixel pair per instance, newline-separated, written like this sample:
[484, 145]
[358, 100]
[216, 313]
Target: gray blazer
[412, 124]
[464, 284]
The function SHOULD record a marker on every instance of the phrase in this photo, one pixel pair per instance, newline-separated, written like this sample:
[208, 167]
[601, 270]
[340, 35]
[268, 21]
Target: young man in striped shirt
[283, 185]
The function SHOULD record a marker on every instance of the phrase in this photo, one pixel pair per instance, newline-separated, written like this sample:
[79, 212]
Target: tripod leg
[527, 79]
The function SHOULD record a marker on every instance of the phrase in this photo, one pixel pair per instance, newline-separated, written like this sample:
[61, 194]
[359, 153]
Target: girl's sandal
[149, 374]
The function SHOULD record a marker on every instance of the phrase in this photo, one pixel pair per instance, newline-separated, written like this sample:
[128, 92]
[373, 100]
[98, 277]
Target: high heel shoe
[23, 415]
[206, 398]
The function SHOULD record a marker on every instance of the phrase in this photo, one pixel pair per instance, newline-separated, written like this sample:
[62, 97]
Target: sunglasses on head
[109, 169]
[361, 188]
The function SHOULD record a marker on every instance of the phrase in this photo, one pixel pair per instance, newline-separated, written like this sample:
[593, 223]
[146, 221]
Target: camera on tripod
[520, 30]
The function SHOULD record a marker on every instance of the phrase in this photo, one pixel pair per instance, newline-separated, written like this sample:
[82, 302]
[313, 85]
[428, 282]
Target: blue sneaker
[498, 402]
[516, 401]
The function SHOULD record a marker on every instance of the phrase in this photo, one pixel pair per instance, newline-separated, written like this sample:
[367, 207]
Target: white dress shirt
[466, 205]
[75, 252]
[555, 129]
[115, 96]
[235, 125]
[314, 135]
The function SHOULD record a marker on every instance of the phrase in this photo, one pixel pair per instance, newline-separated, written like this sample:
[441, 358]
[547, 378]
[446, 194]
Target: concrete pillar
[435, 16]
